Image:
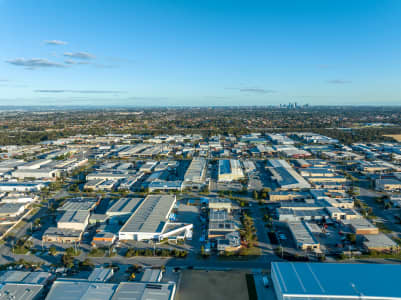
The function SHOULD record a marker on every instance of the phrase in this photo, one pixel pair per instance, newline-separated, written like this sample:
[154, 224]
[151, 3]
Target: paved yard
[208, 285]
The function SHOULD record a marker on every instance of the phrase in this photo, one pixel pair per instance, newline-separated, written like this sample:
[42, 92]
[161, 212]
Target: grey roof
[151, 275]
[20, 291]
[100, 274]
[379, 241]
[152, 214]
[285, 175]
[24, 277]
[124, 205]
[144, 291]
[83, 290]
[227, 225]
[218, 215]
[71, 216]
[196, 170]
[78, 204]
[10, 208]
[62, 232]
[346, 281]
[302, 233]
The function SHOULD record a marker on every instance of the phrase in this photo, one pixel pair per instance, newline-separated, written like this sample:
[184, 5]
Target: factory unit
[23, 285]
[388, 184]
[303, 236]
[280, 139]
[165, 185]
[220, 204]
[151, 220]
[33, 165]
[196, 172]
[42, 173]
[122, 209]
[61, 235]
[285, 176]
[79, 203]
[84, 289]
[106, 176]
[11, 186]
[74, 220]
[344, 281]
[361, 226]
[229, 170]
[11, 210]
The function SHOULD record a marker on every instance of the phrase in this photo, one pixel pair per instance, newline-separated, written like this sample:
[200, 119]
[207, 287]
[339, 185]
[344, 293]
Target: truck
[265, 281]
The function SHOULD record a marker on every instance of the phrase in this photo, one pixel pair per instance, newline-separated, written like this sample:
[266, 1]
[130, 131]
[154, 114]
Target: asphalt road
[386, 216]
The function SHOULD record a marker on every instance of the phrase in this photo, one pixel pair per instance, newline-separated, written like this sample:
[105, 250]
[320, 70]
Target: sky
[200, 53]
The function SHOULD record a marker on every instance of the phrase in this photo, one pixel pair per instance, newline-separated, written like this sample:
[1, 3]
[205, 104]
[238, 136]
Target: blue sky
[225, 52]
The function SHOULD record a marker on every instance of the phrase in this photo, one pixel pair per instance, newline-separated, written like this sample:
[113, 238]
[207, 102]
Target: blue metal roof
[343, 280]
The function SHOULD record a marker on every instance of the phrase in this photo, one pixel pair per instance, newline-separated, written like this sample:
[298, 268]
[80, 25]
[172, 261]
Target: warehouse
[26, 277]
[165, 185]
[151, 220]
[36, 164]
[335, 281]
[106, 176]
[122, 209]
[21, 186]
[196, 171]
[361, 226]
[229, 170]
[220, 204]
[82, 203]
[285, 176]
[75, 220]
[379, 242]
[42, 173]
[21, 291]
[388, 184]
[59, 235]
[80, 289]
[11, 210]
[303, 236]
[10, 164]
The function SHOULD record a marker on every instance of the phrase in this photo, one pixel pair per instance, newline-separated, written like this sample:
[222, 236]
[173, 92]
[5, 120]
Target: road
[264, 243]
[386, 216]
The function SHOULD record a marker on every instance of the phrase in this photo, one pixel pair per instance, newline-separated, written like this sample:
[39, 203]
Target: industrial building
[8, 186]
[285, 176]
[61, 235]
[196, 172]
[303, 236]
[122, 209]
[75, 220]
[220, 204]
[42, 173]
[82, 289]
[73, 204]
[335, 281]
[151, 221]
[229, 170]
[23, 285]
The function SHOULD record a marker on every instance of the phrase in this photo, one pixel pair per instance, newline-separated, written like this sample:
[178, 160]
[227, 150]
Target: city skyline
[225, 53]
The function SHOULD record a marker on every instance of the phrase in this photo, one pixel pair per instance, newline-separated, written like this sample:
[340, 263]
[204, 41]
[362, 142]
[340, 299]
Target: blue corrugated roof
[341, 280]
